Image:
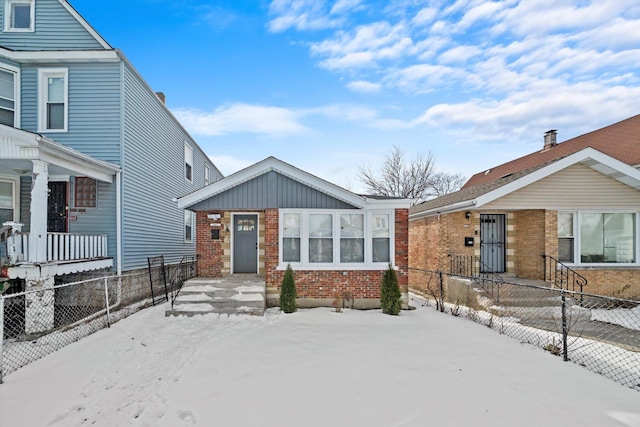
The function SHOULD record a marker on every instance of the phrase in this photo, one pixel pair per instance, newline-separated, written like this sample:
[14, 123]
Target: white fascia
[62, 56]
[591, 157]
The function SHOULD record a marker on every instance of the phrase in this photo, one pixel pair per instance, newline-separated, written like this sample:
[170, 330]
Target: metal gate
[492, 243]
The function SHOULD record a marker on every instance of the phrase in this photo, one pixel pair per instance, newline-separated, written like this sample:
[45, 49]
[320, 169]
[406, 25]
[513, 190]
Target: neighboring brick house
[577, 201]
[271, 214]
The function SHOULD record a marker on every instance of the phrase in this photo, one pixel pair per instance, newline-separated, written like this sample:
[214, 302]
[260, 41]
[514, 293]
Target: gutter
[444, 209]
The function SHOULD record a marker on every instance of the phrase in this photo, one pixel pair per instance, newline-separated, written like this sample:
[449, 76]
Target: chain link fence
[600, 333]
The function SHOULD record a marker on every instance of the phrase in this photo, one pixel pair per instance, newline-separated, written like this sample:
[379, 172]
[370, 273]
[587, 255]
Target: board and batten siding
[55, 29]
[272, 190]
[154, 176]
[576, 187]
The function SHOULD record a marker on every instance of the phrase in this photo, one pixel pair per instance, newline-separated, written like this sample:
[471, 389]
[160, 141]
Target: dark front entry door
[57, 208]
[245, 244]
[492, 243]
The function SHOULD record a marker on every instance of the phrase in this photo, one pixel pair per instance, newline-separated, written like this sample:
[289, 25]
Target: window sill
[335, 267]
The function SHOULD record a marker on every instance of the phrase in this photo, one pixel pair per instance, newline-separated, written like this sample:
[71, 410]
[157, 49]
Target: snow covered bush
[288, 292]
[390, 297]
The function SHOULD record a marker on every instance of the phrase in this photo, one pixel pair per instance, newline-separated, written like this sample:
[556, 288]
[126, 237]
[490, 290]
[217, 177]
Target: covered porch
[35, 242]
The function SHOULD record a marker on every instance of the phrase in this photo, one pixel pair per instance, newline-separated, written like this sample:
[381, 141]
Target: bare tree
[417, 179]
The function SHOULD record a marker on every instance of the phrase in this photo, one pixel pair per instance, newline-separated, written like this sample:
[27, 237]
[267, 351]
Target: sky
[330, 86]
[314, 368]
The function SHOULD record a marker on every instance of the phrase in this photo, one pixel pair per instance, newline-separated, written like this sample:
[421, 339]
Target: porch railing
[562, 276]
[67, 246]
[471, 266]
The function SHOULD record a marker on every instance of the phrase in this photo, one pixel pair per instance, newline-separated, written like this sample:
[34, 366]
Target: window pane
[21, 15]
[56, 90]
[7, 85]
[291, 225]
[6, 215]
[6, 196]
[565, 224]
[607, 237]
[352, 225]
[351, 250]
[291, 249]
[320, 250]
[188, 225]
[6, 117]
[565, 249]
[187, 171]
[381, 250]
[320, 225]
[381, 226]
[55, 116]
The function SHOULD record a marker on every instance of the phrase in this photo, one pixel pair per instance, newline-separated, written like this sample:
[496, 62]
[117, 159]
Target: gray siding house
[91, 159]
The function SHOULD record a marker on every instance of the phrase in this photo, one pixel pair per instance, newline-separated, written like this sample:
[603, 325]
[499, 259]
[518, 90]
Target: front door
[57, 207]
[492, 243]
[245, 243]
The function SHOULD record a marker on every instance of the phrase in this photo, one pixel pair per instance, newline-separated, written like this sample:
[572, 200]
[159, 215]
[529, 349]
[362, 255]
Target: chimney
[550, 139]
[161, 97]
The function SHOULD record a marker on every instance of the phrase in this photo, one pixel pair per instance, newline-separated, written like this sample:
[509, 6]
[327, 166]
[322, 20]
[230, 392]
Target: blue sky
[329, 86]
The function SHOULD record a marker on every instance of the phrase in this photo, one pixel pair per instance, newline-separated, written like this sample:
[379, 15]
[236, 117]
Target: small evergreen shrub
[390, 297]
[288, 292]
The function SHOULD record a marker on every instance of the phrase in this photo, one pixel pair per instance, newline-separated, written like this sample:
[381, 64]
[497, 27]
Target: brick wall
[620, 282]
[317, 287]
[530, 243]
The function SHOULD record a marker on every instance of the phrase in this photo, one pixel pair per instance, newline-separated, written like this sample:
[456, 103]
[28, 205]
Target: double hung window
[336, 239]
[53, 109]
[8, 93]
[188, 162]
[7, 201]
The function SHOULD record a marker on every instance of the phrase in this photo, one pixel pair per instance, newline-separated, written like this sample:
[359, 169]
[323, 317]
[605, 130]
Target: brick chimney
[161, 97]
[550, 139]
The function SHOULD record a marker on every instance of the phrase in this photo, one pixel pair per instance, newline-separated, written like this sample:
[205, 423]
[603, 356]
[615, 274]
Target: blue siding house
[91, 159]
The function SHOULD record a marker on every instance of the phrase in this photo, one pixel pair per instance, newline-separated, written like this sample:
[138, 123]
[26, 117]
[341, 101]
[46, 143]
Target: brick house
[271, 214]
[575, 202]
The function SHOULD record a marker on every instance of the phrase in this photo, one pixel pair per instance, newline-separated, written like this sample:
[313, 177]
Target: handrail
[562, 276]
[470, 266]
[185, 270]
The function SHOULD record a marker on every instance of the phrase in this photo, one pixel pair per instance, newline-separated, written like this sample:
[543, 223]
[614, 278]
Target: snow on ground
[315, 367]
[626, 317]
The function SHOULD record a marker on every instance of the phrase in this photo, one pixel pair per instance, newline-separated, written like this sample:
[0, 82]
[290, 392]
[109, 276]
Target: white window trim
[193, 226]
[368, 264]
[188, 149]
[16, 195]
[16, 95]
[43, 75]
[207, 175]
[7, 17]
[577, 222]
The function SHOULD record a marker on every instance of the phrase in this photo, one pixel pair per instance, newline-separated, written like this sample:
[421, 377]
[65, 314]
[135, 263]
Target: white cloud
[242, 118]
[425, 16]
[342, 6]
[301, 15]
[459, 54]
[364, 86]
[228, 164]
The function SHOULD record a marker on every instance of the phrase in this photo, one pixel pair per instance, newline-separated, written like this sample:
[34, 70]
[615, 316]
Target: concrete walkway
[234, 294]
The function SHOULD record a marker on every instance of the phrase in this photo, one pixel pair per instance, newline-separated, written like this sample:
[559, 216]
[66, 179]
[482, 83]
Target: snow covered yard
[311, 368]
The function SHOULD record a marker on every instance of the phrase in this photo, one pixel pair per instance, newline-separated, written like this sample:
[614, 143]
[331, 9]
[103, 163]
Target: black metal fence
[598, 332]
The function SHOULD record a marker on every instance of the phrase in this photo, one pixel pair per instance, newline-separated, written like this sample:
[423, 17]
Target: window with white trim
[8, 91]
[328, 239]
[7, 201]
[188, 226]
[597, 237]
[19, 15]
[188, 162]
[207, 175]
[53, 99]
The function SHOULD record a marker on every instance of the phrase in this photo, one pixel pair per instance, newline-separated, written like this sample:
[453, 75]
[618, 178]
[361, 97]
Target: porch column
[39, 310]
[39, 195]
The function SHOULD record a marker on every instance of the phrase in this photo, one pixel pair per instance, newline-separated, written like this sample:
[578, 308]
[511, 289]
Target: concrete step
[232, 295]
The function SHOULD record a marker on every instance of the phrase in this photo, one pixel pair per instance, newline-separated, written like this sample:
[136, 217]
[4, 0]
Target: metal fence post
[1, 333]
[565, 328]
[106, 299]
[441, 292]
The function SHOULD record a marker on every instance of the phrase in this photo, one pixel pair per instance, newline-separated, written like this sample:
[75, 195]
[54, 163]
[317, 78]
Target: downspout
[119, 221]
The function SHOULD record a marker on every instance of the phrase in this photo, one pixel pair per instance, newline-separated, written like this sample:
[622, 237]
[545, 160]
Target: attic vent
[550, 139]
[487, 172]
[506, 175]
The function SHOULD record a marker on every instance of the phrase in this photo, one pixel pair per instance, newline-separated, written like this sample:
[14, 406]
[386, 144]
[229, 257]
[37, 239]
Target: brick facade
[529, 235]
[314, 287]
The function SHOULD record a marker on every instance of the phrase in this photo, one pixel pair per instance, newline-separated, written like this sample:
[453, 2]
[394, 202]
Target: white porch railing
[65, 246]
